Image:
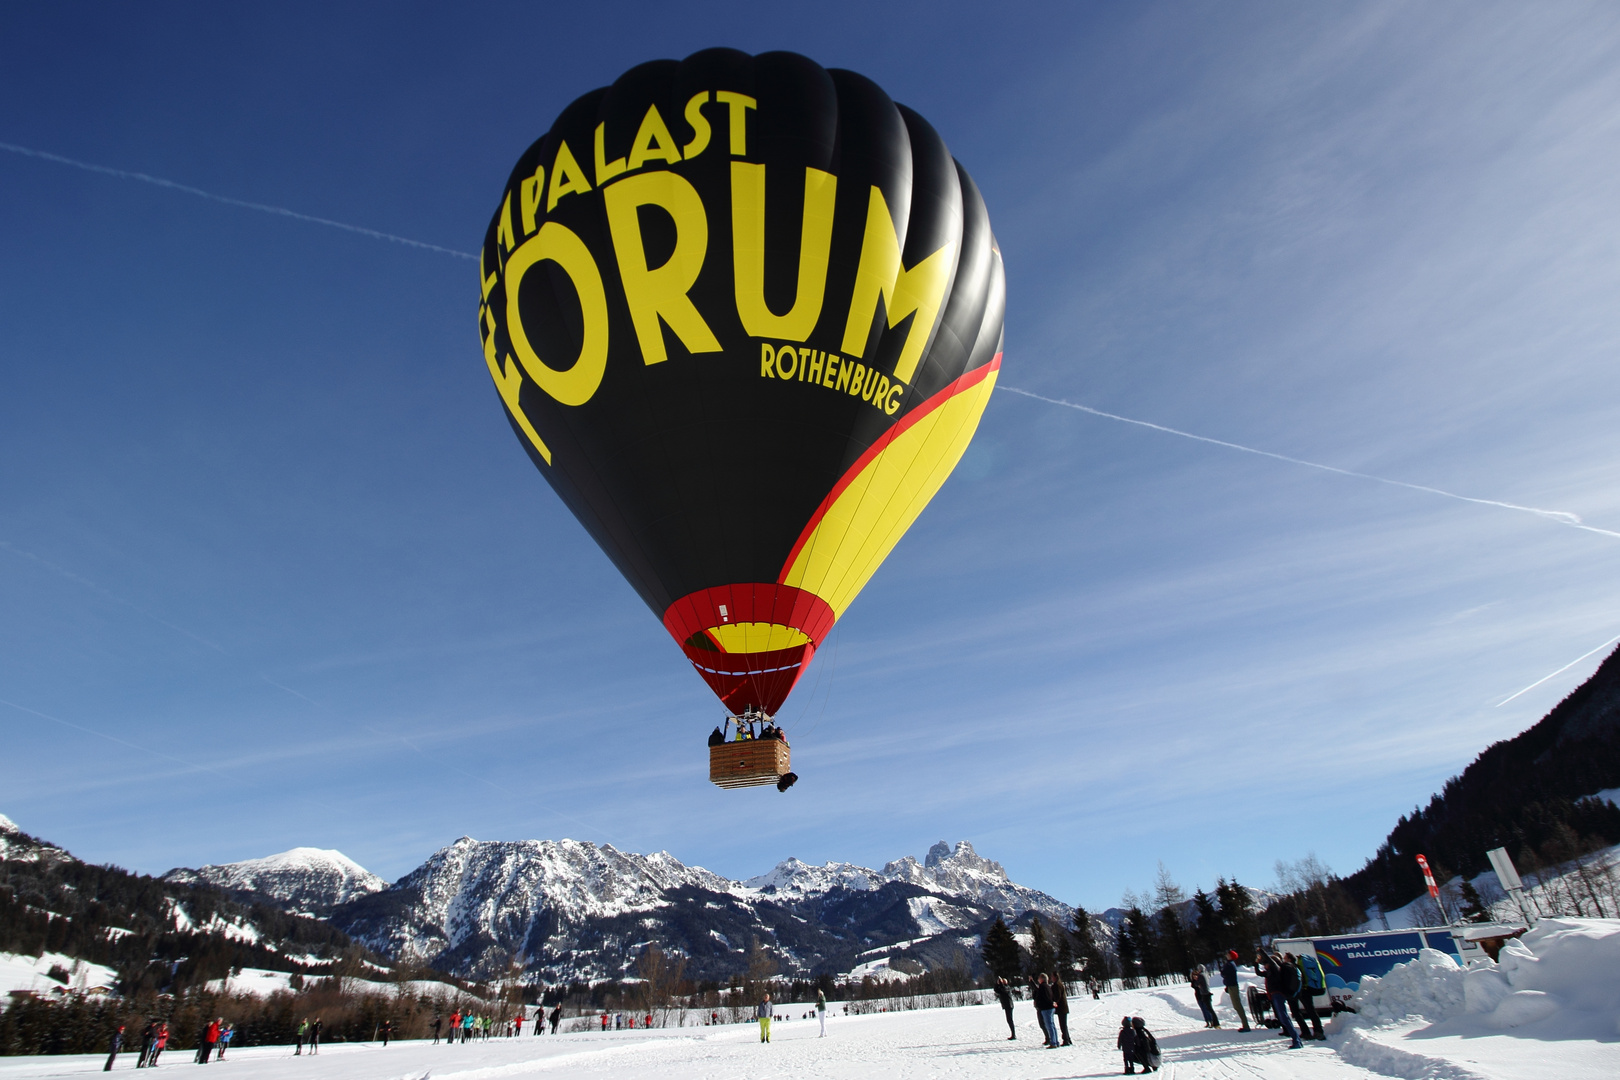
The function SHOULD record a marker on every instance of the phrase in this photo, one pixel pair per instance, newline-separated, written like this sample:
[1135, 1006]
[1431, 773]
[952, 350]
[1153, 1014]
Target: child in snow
[1126, 1041]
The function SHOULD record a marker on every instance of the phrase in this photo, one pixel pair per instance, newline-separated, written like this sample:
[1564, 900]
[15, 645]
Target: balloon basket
[750, 763]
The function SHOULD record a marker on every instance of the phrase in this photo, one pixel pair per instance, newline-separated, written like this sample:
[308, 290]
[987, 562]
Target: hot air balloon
[744, 314]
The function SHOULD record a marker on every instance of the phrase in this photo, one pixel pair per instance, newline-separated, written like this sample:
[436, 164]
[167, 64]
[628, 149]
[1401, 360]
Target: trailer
[1348, 958]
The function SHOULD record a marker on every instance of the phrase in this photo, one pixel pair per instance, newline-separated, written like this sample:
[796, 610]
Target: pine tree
[1204, 935]
[1474, 907]
[1238, 920]
[1093, 963]
[1144, 942]
[1001, 952]
[1042, 958]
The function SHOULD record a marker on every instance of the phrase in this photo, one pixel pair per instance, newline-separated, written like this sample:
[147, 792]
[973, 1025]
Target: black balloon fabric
[744, 314]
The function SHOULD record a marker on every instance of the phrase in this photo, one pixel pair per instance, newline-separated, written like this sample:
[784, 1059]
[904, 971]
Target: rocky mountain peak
[304, 880]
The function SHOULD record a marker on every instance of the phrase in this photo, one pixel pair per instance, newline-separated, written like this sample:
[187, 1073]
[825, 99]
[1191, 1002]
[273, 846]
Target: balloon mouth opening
[750, 642]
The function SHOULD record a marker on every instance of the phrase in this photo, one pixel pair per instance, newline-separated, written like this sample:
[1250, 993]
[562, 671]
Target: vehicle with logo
[1348, 958]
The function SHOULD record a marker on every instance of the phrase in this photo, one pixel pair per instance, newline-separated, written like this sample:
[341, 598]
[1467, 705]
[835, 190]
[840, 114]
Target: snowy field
[967, 1043]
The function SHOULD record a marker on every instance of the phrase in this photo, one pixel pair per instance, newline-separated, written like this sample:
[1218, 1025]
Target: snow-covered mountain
[567, 909]
[303, 881]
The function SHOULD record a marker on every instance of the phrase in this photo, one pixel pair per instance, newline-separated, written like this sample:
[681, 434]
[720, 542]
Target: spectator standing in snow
[1147, 1047]
[299, 1036]
[315, 1036]
[1060, 1006]
[1314, 982]
[1041, 996]
[1205, 999]
[206, 1044]
[468, 1024]
[115, 1044]
[1126, 1041]
[162, 1045]
[821, 1012]
[765, 1013]
[1004, 995]
[225, 1034]
[1281, 984]
[1229, 977]
[148, 1040]
[387, 1030]
[556, 1017]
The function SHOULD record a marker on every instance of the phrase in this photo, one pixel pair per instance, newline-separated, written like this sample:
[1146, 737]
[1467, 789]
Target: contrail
[114, 739]
[1560, 671]
[282, 211]
[1563, 517]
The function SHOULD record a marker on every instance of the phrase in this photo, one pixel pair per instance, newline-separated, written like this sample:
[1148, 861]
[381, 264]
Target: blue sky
[274, 570]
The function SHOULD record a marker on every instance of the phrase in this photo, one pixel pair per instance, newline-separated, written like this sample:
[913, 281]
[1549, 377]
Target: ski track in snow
[948, 1044]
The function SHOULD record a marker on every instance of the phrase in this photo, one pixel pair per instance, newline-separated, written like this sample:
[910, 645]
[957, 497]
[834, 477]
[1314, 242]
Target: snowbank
[1564, 969]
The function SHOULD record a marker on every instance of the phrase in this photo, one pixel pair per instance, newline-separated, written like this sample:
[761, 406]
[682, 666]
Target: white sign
[1505, 872]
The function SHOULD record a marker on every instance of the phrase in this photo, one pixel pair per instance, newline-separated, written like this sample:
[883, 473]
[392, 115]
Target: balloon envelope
[744, 313]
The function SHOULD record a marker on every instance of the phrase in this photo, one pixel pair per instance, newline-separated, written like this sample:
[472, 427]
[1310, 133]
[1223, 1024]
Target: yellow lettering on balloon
[654, 294]
[893, 403]
[486, 282]
[503, 231]
[605, 170]
[844, 372]
[699, 125]
[787, 362]
[827, 380]
[653, 140]
[748, 252]
[530, 191]
[804, 361]
[740, 104]
[567, 178]
[879, 388]
[816, 365]
[574, 384]
[918, 292]
[767, 359]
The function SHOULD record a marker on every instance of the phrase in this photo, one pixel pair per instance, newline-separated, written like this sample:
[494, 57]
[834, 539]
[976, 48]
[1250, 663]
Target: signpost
[1508, 876]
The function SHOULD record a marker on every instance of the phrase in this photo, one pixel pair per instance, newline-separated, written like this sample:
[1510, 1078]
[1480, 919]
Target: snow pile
[1430, 986]
[1565, 968]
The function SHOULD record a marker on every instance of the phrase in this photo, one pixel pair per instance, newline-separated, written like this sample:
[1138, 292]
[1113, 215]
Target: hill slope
[1528, 793]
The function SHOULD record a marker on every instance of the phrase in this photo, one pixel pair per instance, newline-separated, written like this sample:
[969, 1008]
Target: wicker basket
[750, 763]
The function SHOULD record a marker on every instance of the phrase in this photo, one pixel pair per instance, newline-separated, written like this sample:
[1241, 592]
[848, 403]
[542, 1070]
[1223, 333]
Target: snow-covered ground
[261, 982]
[26, 972]
[960, 1044]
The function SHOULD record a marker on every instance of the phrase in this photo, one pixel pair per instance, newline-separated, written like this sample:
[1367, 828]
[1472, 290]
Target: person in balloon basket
[1147, 1047]
[1126, 1041]
[1229, 978]
[766, 1012]
[1004, 996]
[1282, 982]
